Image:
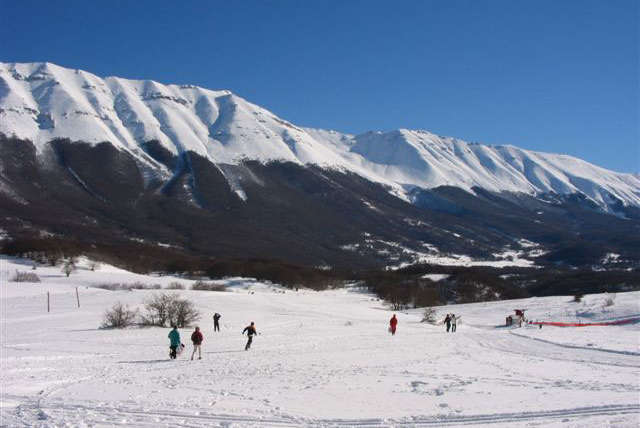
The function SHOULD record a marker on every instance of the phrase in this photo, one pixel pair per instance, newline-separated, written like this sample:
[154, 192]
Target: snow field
[322, 359]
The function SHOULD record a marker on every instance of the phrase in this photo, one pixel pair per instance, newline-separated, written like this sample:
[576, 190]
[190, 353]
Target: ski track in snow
[92, 416]
[323, 359]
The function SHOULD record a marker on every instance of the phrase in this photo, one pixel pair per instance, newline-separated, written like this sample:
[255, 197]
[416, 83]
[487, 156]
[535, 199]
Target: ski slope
[322, 359]
[43, 101]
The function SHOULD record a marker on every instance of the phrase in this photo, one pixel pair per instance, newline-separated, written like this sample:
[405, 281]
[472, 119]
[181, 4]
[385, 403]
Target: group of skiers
[176, 346]
[451, 321]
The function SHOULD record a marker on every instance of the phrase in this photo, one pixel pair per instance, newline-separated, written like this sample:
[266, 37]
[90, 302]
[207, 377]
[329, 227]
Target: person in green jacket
[174, 337]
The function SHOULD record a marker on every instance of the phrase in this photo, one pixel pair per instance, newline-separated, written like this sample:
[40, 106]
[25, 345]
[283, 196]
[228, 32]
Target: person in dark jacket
[447, 321]
[251, 331]
[454, 322]
[393, 323]
[197, 338]
[216, 321]
[174, 338]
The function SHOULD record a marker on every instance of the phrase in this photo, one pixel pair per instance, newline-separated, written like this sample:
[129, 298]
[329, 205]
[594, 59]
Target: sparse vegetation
[176, 286]
[169, 309]
[429, 315]
[116, 286]
[208, 286]
[68, 266]
[21, 276]
[142, 286]
[119, 316]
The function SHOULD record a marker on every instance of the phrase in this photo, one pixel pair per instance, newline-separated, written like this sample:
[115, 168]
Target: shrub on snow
[429, 315]
[114, 286]
[169, 309]
[119, 316]
[207, 286]
[25, 277]
[143, 286]
[183, 313]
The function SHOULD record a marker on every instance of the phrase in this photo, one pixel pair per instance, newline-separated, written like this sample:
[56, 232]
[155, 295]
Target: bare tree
[119, 316]
[429, 315]
[183, 313]
[162, 309]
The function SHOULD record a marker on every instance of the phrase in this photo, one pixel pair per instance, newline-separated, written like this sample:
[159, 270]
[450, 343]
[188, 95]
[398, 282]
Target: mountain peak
[43, 101]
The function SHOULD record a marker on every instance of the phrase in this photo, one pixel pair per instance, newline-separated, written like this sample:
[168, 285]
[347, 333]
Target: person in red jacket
[197, 338]
[393, 323]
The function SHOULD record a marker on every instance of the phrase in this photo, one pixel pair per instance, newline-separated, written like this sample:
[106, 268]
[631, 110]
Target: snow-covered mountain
[128, 167]
[42, 101]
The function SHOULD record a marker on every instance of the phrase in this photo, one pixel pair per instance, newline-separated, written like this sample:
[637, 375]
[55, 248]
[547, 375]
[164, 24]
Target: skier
[216, 321]
[197, 338]
[393, 322]
[454, 323]
[174, 338]
[447, 321]
[251, 331]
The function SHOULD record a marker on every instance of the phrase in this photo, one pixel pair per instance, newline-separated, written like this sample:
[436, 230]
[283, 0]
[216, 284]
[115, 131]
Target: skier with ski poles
[454, 322]
[251, 331]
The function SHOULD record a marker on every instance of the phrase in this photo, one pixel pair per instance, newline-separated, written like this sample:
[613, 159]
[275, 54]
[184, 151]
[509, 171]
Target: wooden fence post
[77, 297]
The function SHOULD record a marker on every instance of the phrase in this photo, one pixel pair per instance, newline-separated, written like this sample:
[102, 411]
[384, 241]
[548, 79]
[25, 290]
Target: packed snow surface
[42, 101]
[322, 359]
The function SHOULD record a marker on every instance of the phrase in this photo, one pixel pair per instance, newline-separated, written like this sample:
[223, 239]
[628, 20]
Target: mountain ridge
[42, 101]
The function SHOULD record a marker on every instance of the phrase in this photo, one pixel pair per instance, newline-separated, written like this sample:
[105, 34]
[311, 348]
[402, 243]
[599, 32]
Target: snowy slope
[42, 101]
[322, 359]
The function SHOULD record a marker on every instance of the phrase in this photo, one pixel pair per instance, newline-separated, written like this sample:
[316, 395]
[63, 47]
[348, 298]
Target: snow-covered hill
[42, 101]
[323, 359]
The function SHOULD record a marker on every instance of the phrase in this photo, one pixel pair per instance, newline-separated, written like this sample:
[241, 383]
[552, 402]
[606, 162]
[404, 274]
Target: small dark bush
[208, 286]
[119, 316]
[109, 286]
[25, 277]
[115, 286]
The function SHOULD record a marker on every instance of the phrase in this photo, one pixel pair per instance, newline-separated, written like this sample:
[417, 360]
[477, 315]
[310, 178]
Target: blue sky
[556, 76]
